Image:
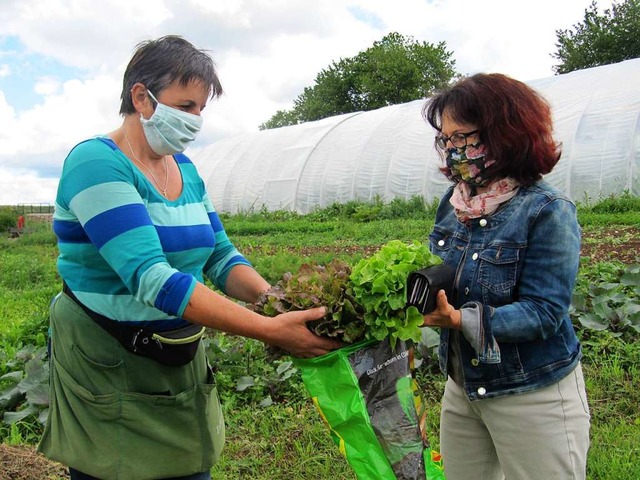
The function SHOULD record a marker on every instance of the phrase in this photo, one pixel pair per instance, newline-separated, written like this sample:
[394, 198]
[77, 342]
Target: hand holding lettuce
[366, 301]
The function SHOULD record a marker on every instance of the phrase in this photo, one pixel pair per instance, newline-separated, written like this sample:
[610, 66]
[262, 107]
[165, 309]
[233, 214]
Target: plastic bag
[368, 397]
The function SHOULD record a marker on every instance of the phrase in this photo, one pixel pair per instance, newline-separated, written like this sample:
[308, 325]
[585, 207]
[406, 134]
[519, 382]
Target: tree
[394, 70]
[603, 39]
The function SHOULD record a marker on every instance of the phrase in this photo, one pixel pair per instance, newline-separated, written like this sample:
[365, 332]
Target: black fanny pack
[170, 347]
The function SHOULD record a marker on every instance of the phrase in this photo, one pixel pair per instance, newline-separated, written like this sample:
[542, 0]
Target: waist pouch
[170, 347]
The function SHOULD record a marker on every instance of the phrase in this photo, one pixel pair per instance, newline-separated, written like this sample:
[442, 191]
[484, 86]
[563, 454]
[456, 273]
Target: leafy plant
[314, 286]
[610, 305]
[600, 39]
[622, 203]
[393, 70]
[280, 375]
[25, 389]
[246, 375]
[379, 286]
[366, 302]
[8, 218]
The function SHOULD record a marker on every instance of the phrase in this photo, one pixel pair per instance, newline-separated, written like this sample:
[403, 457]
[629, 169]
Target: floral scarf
[468, 206]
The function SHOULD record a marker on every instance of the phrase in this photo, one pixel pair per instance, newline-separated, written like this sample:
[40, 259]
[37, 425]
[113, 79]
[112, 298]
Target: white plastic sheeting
[389, 152]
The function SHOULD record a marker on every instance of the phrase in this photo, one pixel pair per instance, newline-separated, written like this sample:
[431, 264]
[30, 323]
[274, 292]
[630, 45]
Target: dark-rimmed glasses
[458, 140]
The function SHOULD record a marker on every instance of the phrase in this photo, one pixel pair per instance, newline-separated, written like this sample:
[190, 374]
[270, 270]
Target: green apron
[117, 415]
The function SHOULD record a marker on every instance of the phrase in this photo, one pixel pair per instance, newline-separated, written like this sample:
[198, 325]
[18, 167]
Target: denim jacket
[517, 268]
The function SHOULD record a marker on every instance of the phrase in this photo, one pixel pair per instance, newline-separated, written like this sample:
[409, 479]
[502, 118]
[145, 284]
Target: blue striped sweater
[127, 252]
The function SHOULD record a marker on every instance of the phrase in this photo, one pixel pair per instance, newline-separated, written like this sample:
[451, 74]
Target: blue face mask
[170, 130]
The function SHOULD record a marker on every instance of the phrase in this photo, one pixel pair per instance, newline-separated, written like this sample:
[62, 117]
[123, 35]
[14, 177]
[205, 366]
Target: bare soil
[620, 243]
[607, 244]
[24, 463]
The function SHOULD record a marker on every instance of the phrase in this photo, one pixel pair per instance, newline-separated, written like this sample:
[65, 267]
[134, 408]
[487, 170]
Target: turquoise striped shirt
[127, 252]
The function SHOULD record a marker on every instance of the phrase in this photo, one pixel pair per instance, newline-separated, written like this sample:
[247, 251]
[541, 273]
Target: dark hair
[158, 63]
[513, 119]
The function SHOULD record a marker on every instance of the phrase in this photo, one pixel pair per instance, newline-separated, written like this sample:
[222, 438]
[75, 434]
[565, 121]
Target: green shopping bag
[370, 401]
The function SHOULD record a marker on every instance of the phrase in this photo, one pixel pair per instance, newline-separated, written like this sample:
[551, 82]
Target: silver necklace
[166, 166]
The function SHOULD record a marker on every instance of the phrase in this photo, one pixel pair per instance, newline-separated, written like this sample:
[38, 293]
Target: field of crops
[273, 431]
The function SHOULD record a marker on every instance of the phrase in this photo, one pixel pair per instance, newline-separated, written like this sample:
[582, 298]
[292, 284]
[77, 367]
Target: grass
[288, 439]
[281, 442]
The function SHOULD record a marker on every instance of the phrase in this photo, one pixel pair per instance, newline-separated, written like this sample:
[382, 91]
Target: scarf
[468, 206]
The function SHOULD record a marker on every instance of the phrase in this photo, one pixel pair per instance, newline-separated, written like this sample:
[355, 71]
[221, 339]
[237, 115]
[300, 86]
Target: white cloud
[47, 86]
[266, 52]
[25, 186]
[82, 109]
[6, 112]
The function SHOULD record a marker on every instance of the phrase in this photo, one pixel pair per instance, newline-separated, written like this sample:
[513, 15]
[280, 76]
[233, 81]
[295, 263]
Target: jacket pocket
[498, 273]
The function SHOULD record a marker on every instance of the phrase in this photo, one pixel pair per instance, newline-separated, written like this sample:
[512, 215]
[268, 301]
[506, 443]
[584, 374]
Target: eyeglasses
[457, 139]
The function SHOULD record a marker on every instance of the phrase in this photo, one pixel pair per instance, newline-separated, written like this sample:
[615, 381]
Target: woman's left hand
[444, 315]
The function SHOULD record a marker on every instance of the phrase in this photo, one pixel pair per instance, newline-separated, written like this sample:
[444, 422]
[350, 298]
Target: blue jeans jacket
[517, 268]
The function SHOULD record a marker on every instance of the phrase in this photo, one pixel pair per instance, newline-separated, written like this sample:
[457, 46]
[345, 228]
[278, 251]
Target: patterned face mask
[468, 164]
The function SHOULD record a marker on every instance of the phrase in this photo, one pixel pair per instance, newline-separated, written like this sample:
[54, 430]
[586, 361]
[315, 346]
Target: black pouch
[170, 347]
[423, 286]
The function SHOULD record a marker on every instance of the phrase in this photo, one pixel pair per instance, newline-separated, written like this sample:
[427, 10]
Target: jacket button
[475, 362]
[474, 256]
[482, 391]
[441, 243]
[466, 290]
[483, 222]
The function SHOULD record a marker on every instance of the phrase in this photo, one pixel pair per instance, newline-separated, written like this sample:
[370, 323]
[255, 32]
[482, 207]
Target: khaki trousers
[541, 435]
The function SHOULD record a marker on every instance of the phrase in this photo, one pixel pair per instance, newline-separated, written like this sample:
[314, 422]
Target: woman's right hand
[444, 315]
[289, 331]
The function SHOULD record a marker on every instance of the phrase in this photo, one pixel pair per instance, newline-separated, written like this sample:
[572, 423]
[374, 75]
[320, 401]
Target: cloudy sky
[61, 61]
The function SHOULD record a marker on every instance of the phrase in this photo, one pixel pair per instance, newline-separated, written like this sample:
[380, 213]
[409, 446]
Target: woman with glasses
[514, 404]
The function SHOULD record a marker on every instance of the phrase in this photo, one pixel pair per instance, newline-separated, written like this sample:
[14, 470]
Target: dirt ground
[614, 243]
[619, 243]
[608, 244]
[24, 463]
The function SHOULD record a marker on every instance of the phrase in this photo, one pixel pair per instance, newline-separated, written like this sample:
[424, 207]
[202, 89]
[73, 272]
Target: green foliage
[611, 371]
[314, 286]
[290, 442]
[600, 39]
[376, 209]
[602, 219]
[264, 221]
[288, 438]
[379, 286]
[394, 70]
[24, 389]
[38, 233]
[8, 218]
[618, 209]
[613, 452]
[613, 304]
[612, 204]
[245, 374]
[366, 302]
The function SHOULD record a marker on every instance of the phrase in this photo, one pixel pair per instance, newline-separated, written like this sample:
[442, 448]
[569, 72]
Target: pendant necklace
[166, 166]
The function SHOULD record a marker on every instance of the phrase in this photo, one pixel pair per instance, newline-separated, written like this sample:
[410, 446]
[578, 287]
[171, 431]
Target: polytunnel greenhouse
[389, 152]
